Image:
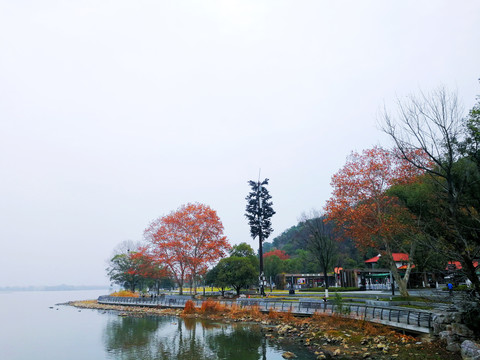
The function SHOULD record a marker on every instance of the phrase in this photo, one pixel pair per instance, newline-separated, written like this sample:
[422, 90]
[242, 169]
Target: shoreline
[327, 337]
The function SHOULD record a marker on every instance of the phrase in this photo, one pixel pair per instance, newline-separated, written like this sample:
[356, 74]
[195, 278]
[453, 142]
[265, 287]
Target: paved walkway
[413, 320]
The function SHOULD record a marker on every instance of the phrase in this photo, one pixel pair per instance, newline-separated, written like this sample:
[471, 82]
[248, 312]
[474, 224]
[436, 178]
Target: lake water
[30, 329]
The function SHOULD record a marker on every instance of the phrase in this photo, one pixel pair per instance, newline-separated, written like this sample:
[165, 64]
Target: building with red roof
[456, 265]
[401, 260]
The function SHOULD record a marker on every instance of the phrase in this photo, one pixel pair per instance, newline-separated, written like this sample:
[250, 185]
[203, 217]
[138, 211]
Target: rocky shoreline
[328, 337]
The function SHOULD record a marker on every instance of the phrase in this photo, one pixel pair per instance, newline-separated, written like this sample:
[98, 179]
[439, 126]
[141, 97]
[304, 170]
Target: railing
[414, 320]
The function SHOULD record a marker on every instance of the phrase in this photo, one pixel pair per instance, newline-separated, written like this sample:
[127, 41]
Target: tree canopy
[259, 210]
[239, 270]
[187, 241]
[449, 202]
[361, 206]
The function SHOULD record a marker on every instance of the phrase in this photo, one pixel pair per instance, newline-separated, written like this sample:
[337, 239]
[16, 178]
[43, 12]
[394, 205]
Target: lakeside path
[328, 337]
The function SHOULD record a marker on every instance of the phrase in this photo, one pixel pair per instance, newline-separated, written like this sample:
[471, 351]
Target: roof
[397, 257]
[373, 259]
[456, 265]
[404, 267]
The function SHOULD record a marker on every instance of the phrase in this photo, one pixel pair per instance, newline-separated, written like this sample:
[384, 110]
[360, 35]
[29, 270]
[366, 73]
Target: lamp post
[392, 282]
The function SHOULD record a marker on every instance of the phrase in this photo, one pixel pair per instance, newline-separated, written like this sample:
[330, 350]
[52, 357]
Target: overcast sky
[114, 113]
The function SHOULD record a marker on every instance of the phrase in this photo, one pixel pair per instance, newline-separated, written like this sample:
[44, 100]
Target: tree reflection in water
[149, 338]
[239, 342]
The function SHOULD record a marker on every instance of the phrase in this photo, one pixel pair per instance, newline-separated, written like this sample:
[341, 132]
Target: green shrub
[458, 288]
[340, 306]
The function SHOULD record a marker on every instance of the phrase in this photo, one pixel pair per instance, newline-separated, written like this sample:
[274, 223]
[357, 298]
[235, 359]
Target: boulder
[462, 330]
[470, 350]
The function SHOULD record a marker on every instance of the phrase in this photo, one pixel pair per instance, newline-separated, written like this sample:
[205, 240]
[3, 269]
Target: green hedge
[458, 288]
[330, 289]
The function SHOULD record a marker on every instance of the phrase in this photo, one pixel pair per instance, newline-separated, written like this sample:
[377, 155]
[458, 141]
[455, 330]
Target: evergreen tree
[258, 213]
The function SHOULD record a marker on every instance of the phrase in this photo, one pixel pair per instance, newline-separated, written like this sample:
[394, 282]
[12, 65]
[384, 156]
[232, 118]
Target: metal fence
[414, 320]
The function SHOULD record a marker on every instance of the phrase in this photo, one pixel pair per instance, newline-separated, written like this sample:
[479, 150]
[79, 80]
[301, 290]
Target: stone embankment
[459, 337]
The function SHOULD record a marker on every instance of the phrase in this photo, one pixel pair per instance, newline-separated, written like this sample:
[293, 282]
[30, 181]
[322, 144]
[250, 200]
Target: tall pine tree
[258, 213]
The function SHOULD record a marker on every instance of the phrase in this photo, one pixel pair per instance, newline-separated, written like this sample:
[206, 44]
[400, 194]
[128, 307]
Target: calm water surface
[30, 329]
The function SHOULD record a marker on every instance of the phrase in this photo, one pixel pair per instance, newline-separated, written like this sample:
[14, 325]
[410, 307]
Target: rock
[366, 355]
[336, 352]
[470, 350]
[288, 355]
[445, 334]
[453, 347]
[462, 330]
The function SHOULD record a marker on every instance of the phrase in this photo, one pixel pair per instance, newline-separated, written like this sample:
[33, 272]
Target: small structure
[304, 281]
[455, 274]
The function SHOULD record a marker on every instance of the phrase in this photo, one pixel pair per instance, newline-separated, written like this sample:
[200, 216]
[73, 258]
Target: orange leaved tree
[187, 241]
[364, 211]
[282, 255]
[147, 267]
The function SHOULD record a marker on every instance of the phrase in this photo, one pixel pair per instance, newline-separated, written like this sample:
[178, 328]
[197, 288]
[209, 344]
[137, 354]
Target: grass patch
[425, 307]
[408, 298]
[330, 289]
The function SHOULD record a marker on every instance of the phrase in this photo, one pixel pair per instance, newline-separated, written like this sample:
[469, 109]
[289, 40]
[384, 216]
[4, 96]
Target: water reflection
[239, 342]
[130, 338]
[151, 338]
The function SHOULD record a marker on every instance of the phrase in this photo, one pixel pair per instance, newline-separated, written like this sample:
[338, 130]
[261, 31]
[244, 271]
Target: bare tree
[320, 240]
[433, 124]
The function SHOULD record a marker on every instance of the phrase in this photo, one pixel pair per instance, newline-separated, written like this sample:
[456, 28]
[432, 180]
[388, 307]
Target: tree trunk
[467, 264]
[402, 283]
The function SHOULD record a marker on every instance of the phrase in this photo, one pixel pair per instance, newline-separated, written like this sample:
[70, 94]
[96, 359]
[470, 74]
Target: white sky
[113, 113]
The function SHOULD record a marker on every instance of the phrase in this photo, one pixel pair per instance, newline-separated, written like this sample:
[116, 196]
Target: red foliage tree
[187, 241]
[280, 253]
[361, 208]
[146, 266]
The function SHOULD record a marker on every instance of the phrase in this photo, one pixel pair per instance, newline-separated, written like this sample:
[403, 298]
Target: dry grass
[272, 314]
[212, 307]
[254, 311]
[189, 307]
[125, 293]
[287, 316]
